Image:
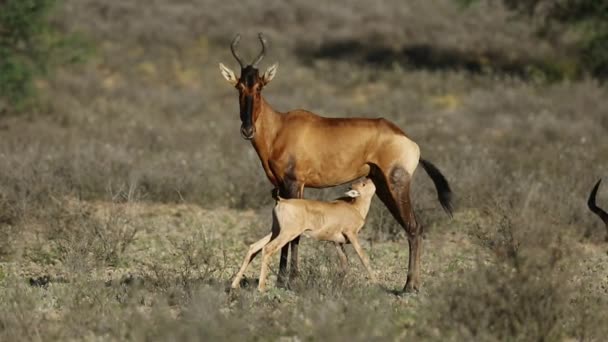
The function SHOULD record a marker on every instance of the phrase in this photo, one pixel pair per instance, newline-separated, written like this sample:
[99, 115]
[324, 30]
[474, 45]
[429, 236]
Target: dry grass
[128, 199]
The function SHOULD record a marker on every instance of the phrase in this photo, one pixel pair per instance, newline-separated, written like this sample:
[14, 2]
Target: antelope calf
[338, 221]
[595, 209]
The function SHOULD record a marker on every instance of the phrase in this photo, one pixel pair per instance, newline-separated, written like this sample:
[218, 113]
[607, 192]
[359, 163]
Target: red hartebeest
[301, 149]
[595, 209]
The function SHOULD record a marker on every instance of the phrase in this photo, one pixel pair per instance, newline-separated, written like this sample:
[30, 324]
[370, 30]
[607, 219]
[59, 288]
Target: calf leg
[342, 256]
[271, 248]
[254, 249]
[354, 240]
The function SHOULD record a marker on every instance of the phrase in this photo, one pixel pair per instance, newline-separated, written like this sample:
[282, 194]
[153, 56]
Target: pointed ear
[353, 193]
[270, 72]
[228, 74]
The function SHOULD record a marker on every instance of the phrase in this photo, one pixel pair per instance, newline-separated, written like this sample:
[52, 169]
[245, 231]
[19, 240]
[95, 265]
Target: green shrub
[30, 46]
[588, 18]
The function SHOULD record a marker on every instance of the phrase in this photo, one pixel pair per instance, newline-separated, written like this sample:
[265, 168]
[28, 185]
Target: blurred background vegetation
[586, 20]
[30, 47]
[120, 155]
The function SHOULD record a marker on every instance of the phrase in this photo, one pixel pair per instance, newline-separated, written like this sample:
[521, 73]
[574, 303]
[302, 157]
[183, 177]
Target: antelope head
[594, 208]
[364, 188]
[249, 85]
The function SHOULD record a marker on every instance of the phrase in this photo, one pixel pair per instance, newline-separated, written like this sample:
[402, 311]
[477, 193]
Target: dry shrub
[193, 261]
[17, 318]
[8, 231]
[586, 315]
[283, 315]
[320, 272]
[381, 225]
[82, 238]
[526, 292]
[354, 314]
[500, 302]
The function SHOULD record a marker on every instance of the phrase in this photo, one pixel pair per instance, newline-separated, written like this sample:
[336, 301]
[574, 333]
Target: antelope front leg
[293, 266]
[283, 266]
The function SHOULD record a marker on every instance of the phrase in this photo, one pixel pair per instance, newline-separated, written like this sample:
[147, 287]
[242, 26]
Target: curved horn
[593, 207]
[233, 45]
[261, 55]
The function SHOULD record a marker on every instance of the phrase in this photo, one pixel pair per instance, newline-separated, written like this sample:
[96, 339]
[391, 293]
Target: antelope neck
[362, 206]
[267, 127]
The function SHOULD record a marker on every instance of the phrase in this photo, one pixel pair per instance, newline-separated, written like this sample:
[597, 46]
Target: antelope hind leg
[393, 189]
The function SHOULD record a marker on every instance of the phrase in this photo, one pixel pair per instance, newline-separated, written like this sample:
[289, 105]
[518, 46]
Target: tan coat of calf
[338, 221]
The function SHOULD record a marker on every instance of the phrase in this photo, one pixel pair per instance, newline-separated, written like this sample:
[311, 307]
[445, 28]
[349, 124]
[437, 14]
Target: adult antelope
[300, 149]
[594, 208]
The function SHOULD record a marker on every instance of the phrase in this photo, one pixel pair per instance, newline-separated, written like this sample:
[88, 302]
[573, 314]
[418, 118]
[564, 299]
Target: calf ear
[228, 74]
[270, 73]
[353, 193]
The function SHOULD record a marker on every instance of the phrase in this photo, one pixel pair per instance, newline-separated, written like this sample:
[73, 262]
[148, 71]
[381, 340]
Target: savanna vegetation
[128, 197]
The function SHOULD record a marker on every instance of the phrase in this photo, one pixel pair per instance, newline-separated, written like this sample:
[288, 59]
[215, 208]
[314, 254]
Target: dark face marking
[249, 86]
[249, 76]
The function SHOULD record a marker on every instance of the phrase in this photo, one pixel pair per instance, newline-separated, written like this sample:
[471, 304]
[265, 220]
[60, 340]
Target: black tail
[594, 208]
[444, 193]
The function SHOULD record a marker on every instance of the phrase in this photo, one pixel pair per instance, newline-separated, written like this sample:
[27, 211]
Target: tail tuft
[444, 193]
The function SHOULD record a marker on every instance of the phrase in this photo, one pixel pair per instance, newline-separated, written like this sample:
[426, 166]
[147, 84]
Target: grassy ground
[128, 199]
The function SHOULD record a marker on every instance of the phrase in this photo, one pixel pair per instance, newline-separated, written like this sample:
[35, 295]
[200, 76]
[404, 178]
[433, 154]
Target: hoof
[281, 283]
[234, 285]
[284, 282]
[285, 285]
[410, 288]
